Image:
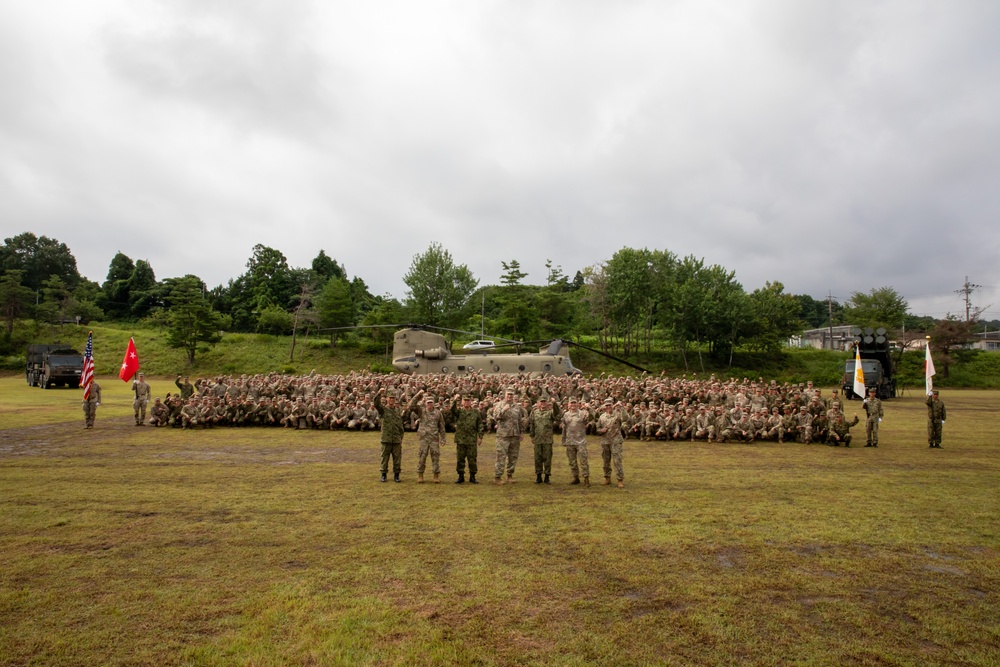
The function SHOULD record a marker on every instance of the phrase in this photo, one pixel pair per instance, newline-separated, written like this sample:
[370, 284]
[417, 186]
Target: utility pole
[967, 289]
[829, 303]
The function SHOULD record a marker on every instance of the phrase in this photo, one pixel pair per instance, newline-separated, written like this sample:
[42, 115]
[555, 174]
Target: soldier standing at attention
[142, 393]
[431, 434]
[510, 418]
[873, 408]
[392, 433]
[90, 405]
[541, 423]
[574, 438]
[469, 429]
[609, 427]
[935, 419]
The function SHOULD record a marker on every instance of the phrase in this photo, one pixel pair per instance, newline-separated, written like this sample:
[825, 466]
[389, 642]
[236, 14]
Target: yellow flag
[859, 374]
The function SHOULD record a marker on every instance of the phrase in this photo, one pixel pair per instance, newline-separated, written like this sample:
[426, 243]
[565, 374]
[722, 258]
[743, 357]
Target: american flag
[87, 378]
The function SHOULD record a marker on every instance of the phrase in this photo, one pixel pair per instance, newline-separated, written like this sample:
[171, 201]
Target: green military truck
[876, 363]
[49, 366]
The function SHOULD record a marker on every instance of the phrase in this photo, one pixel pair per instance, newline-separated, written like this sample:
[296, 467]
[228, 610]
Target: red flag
[130, 364]
[87, 377]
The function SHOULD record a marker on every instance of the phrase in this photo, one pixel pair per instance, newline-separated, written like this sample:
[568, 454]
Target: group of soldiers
[614, 408]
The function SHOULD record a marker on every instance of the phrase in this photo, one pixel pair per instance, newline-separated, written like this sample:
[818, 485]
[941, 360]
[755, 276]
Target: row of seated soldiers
[653, 407]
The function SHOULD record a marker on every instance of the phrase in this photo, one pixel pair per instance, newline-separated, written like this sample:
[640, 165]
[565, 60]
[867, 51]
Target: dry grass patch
[126, 545]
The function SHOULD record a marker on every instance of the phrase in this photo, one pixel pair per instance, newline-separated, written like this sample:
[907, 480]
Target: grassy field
[142, 546]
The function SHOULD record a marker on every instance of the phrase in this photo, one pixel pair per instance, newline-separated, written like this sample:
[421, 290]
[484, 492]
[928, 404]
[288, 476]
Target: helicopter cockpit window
[547, 367]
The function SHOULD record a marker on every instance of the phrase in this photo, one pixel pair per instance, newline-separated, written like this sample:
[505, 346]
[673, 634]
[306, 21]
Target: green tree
[773, 317]
[56, 302]
[15, 299]
[142, 292]
[274, 320]
[191, 318]
[324, 267]
[335, 306]
[439, 290]
[38, 258]
[114, 298]
[882, 307]
[518, 316]
[270, 280]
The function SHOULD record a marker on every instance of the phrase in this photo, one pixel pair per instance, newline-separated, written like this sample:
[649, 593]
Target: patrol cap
[609, 401]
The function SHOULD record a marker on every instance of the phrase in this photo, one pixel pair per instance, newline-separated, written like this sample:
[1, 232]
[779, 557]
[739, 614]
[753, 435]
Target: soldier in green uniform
[469, 429]
[142, 393]
[541, 425]
[90, 405]
[840, 430]
[187, 391]
[609, 427]
[392, 433]
[873, 408]
[574, 438]
[935, 419]
[431, 434]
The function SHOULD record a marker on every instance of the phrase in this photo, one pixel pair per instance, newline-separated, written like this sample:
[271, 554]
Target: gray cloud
[830, 146]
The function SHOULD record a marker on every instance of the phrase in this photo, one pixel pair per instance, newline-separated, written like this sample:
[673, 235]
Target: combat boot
[383, 477]
[621, 484]
[472, 478]
[576, 479]
[607, 480]
[546, 479]
[510, 479]
[498, 481]
[437, 478]
[420, 478]
[461, 479]
[538, 478]
[586, 481]
[395, 477]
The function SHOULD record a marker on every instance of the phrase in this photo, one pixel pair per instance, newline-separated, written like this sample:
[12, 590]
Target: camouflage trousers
[871, 431]
[543, 458]
[394, 449]
[612, 451]
[139, 406]
[934, 429]
[89, 412]
[432, 446]
[508, 447]
[470, 452]
[579, 463]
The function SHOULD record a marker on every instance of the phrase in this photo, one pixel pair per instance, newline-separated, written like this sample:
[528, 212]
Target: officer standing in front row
[392, 433]
[873, 408]
[469, 429]
[935, 419]
[142, 394]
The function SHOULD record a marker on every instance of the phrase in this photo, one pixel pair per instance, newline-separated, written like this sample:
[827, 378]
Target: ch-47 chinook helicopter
[416, 350]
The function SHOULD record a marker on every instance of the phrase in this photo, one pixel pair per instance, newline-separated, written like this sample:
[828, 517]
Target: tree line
[638, 302]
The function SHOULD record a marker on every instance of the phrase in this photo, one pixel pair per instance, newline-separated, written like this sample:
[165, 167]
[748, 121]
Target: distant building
[987, 340]
[827, 338]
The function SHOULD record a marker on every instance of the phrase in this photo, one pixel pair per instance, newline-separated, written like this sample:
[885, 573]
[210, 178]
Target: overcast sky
[832, 146]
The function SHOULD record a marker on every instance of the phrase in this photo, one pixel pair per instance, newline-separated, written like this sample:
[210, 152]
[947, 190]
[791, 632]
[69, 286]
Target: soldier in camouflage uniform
[187, 391]
[541, 426]
[840, 430]
[159, 413]
[90, 405]
[936, 415]
[609, 427]
[431, 434]
[469, 429]
[873, 410]
[803, 425]
[574, 438]
[392, 433]
[511, 419]
[142, 393]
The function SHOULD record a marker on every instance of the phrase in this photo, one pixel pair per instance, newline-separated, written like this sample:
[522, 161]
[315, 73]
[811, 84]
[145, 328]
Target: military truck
[876, 363]
[53, 365]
